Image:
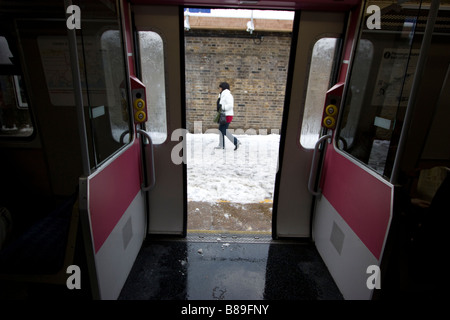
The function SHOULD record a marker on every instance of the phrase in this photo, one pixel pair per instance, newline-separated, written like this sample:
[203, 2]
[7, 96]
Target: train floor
[228, 266]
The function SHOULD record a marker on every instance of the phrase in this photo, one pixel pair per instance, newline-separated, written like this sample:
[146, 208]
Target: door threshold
[225, 236]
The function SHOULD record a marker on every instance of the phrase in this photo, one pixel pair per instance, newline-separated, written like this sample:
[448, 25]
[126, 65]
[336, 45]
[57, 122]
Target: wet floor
[232, 266]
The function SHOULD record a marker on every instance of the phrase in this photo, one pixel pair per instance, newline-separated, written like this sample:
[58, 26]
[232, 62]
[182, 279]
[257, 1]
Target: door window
[322, 61]
[151, 53]
[379, 88]
[15, 117]
[104, 81]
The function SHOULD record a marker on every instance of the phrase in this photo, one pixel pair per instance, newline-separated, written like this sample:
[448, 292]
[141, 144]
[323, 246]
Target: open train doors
[161, 26]
[159, 56]
[355, 197]
[344, 207]
[112, 203]
[139, 187]
[352, 213]
[316, 44]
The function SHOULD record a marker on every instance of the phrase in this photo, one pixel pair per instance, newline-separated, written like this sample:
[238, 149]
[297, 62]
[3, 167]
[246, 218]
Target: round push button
[139, 116]
[139, 104]
[329, 122]
[331, 110]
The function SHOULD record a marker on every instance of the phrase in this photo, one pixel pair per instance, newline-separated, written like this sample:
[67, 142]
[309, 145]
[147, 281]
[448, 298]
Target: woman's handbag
[222, 118]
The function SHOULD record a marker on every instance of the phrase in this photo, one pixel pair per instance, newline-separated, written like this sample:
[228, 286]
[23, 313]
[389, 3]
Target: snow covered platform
[231, 190]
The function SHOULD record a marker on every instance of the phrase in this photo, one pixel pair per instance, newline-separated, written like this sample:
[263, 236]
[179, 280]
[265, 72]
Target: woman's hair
[224, 85]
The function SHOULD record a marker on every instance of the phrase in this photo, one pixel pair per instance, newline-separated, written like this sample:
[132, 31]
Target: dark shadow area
[223, 268]
[158, 273]
[414, 268]
[297, 272]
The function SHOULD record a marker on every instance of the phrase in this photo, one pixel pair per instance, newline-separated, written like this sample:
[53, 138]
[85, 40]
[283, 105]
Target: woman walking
[225, 102]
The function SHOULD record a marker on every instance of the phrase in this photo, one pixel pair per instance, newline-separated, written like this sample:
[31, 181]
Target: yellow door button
[331, 110]
[139, 104]
[139, 116]
[329, 122]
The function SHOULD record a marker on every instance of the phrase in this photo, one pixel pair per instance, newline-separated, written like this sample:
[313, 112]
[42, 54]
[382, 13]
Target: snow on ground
[246, 175]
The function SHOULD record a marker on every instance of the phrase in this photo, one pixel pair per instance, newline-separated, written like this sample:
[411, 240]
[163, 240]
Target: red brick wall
[255, 68]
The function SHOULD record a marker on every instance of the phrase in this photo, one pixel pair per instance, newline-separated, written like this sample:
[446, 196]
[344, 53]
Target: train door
[316, 55]
[160, 26]
[354, 206]
[112, 204]
[158, 56]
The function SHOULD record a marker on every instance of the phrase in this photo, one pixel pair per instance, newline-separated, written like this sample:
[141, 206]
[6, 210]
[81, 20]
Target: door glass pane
[379, 86]
[15, 117]
[152, 68]
[318, 84]
[112, 57]
[103, 76]
[5, 53]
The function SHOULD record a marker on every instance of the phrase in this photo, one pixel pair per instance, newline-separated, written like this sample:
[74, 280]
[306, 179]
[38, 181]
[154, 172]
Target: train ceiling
[260, 4]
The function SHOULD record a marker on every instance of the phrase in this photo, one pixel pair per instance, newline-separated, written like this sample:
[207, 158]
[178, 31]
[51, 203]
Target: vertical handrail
[313, 169]
[78, 94]
[150, 170]
[426, 43]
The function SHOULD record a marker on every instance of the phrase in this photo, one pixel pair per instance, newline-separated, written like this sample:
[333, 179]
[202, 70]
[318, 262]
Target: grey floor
[228, 267]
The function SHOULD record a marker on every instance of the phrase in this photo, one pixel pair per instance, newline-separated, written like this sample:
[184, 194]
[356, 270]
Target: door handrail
[313, 166]
[149, 163]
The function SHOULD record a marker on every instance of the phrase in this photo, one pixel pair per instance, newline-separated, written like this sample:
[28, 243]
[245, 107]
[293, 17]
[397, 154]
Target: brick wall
[255, 68]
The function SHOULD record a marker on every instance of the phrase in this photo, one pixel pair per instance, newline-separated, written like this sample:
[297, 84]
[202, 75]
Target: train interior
[67, 103]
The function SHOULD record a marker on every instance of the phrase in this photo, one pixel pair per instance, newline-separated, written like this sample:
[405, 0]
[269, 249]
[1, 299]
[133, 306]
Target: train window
[104, 80]
[378, 89]
[15, 118]
[5, 52]
[362, 62]
[112, 57]
[153, 75]
[318, 82]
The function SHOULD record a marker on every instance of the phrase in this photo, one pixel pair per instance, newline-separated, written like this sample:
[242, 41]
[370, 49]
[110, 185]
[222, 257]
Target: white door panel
[167, 199]
[293, 206]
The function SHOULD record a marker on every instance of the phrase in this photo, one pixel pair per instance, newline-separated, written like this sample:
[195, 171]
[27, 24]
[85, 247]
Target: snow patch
[246, 175]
